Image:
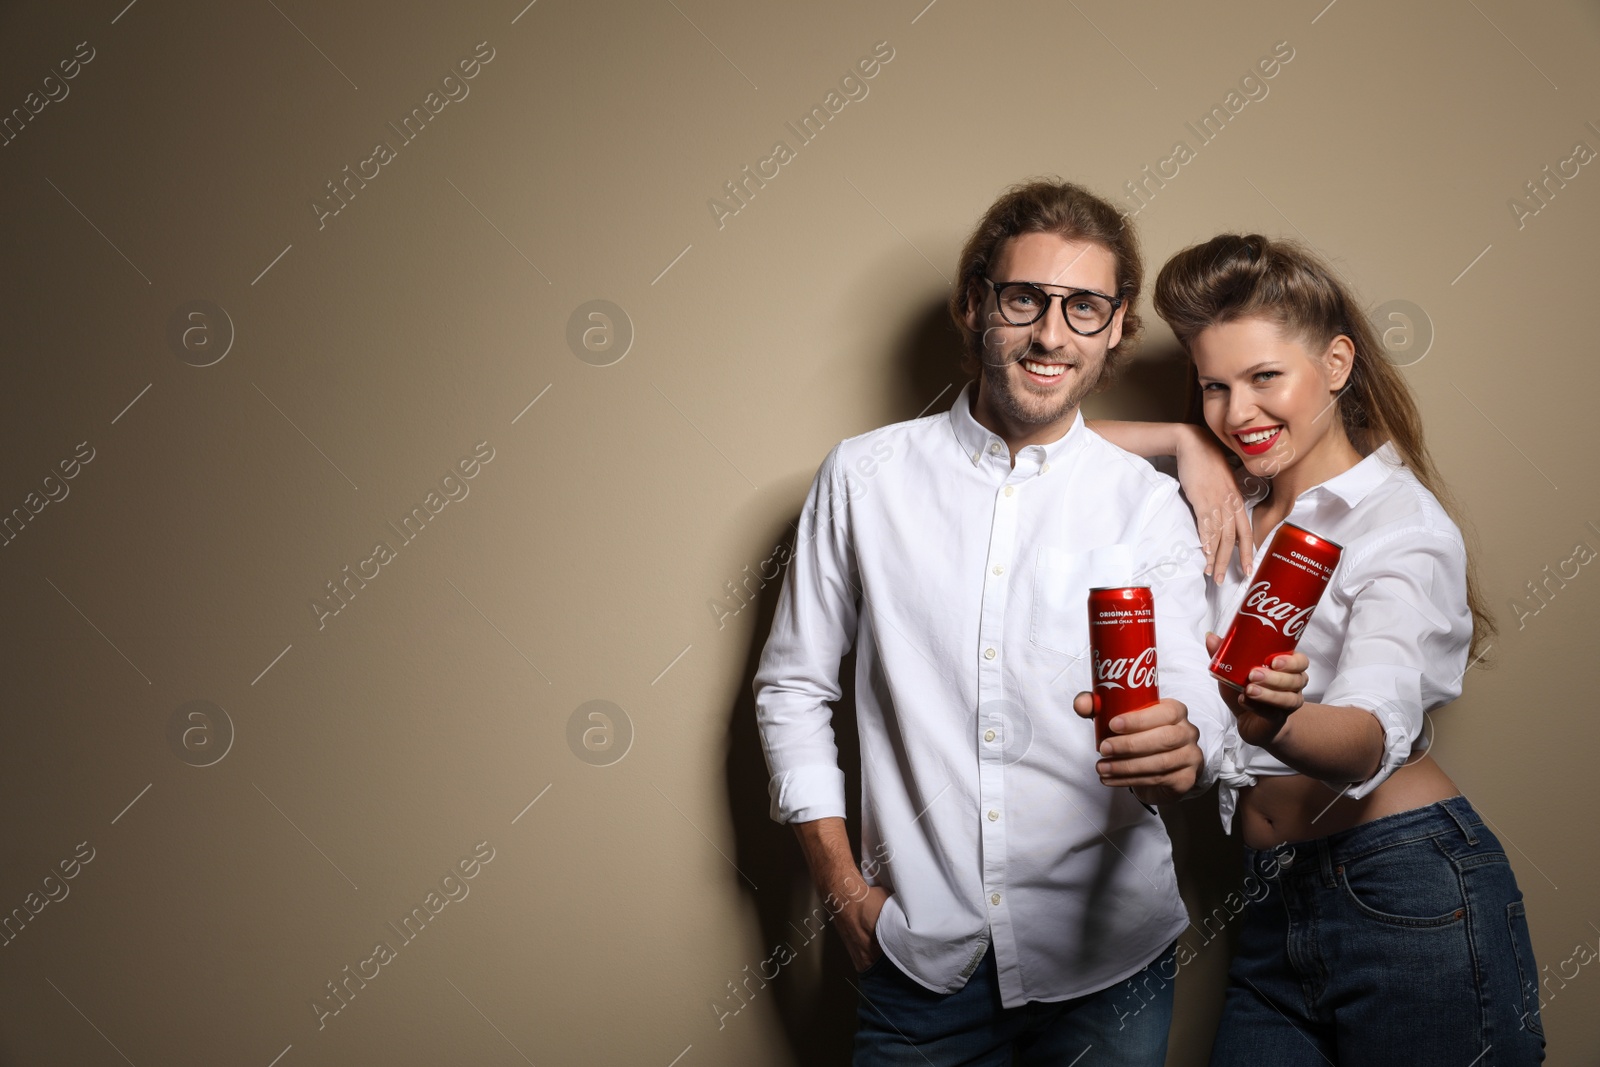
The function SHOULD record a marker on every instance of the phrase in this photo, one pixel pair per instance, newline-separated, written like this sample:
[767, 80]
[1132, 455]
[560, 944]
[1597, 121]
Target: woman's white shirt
[1391, 632]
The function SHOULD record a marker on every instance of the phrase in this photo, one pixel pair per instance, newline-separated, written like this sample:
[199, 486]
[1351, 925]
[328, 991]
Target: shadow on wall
[814, 993]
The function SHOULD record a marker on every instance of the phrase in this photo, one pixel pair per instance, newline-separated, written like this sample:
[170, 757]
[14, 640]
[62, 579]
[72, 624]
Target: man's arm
[843, 891]
[797, 678]
[1173, 567]
[1174, 748]
[798, 675]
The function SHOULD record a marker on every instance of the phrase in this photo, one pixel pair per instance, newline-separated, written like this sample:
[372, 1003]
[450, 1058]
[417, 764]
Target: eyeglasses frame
[1116, 302]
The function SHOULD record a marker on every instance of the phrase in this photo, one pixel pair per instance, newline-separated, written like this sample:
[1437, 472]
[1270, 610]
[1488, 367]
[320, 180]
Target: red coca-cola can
[1283, 593]
[1122, 653]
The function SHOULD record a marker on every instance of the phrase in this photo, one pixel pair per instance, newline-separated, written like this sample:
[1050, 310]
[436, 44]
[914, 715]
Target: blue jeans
[1402, 940]
[902, 1022]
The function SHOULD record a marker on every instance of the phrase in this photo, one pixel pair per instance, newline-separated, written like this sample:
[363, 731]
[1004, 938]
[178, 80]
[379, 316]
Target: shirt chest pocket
[1061, 584]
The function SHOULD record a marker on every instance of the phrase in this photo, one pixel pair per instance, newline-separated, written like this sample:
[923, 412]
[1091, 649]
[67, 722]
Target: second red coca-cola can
[1122, 653]
[1283, 593]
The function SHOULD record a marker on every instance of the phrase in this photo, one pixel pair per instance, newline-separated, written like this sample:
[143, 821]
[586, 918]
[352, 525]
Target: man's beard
[1023, 407]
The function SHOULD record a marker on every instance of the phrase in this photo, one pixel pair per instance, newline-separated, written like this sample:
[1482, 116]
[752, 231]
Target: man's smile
[1045, 372]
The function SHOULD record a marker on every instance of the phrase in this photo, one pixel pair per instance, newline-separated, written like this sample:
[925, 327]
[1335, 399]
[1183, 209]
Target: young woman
[1395, 931]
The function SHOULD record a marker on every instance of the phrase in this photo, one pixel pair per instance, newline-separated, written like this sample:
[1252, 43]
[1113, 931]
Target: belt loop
[1466, 827]
[1325, 862]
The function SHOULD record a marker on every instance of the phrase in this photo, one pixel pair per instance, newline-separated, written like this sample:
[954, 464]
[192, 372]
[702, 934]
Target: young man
[1018, 901]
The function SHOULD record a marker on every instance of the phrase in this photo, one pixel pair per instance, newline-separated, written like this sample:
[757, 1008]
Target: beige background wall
[350, 763]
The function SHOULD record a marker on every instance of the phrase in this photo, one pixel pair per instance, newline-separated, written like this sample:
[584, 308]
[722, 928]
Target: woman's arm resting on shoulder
[1207, 480]
[1147, 439]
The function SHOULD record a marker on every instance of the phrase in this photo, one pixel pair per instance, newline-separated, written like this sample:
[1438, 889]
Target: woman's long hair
[1234, 276]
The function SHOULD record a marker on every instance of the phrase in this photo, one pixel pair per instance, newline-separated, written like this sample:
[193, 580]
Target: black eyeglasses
[1023, 304]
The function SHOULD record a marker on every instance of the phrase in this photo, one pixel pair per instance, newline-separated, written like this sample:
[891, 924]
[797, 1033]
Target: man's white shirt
[963, 584]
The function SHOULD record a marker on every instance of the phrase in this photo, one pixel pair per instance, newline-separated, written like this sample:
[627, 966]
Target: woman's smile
[1257, 439]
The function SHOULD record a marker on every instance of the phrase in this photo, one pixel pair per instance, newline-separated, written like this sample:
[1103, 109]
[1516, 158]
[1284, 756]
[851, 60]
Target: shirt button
[994, 898]
[1044, 468]
[977, 455]
[1009, 490]
[994, 447]
[988, 653]
[993, 815]
[998, 569]
[988, 735]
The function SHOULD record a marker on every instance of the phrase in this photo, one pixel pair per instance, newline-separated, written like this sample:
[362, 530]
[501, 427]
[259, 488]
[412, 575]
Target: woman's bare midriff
[1293, 807]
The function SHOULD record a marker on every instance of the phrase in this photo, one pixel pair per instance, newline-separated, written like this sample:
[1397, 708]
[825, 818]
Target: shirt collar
[1354, 484]
[975, 438]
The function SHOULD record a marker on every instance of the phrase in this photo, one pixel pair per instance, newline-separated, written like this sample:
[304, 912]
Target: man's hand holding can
[1154, 750]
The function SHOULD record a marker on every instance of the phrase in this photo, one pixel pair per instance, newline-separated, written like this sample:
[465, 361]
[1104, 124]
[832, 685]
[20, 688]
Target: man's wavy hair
[1048, 205]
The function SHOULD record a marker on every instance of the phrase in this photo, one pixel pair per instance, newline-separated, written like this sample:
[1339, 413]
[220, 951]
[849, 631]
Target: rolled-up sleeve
[1172, 564]
[1406, 639]
[798, 674]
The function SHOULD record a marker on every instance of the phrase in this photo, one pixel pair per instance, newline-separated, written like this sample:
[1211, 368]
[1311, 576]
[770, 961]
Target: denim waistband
[1454, 815]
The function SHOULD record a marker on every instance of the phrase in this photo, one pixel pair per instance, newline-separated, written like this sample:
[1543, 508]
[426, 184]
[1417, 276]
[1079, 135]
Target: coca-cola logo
[1275, 612]
[1137, 672]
